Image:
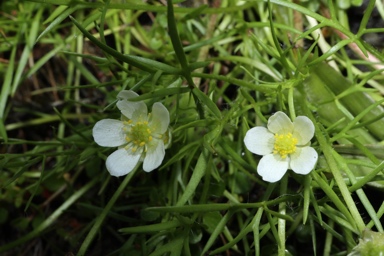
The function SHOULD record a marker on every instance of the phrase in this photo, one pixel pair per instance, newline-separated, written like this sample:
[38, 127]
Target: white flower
[284, 145]
[140, 136]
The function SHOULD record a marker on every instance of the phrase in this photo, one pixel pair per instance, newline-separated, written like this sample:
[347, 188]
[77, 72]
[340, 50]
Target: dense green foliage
[220, 69]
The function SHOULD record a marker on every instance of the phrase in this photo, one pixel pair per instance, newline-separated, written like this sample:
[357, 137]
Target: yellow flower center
[285, 144]
[139, 134]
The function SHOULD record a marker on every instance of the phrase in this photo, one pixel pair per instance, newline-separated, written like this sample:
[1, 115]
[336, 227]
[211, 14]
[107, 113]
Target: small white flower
[284, 145]
[140, 136]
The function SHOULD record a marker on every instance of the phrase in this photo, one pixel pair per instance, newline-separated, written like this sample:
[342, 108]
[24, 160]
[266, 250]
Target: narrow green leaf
[58, 20]
[194, 13]
[307, 198]
[200, 64]
[84, 71]
[151, 228]
[33, 30]
[331, 51]
[59, 10]
[197, 174]
[177, 46]
[7, 85]
[267, 88]
[100, 219]
[174, 247]
[37, 185]
[43, 60]
[358, 118]
[367, 178]
[360, 192]
[51, 219]
[211, 106]
[139, 62]
[367, 15]
[3, 131]
[161, 93]
[25, 165]
[217, 231]
[356, 103]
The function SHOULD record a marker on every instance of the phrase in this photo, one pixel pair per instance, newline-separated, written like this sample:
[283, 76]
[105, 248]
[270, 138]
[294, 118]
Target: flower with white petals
[284, 145]
[139, 136]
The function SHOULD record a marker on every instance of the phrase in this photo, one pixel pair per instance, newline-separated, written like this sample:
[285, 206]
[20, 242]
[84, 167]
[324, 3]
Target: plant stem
[99, 221]
[281, 222]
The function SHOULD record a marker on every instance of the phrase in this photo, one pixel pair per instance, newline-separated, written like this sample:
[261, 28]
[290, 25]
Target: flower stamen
[285, 144]
[139, 134]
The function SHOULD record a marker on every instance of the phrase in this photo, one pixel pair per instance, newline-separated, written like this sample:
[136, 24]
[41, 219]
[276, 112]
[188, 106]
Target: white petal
[303, 160]
[137, 111]
[280, 123]
[160, 118]
[109, 133]
[125, 95]
[303, 129]
[259, 141]
[272, 167]
[154, 155]
[122, 162]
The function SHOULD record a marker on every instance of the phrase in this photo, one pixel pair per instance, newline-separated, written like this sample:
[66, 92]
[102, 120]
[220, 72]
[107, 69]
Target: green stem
[49, 221]
[177, 46]
[197, 174]
[281, 222]
[350, 212]
[327, 150]
[307, 197]
[360, 192]
[100, 219]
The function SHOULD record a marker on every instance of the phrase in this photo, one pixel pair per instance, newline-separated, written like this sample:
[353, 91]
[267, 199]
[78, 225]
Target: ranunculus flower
[284, 145]
[139, 136]
[371, 244]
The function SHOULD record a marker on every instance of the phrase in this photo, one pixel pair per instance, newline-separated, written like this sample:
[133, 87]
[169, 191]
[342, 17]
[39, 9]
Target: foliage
[220, 69]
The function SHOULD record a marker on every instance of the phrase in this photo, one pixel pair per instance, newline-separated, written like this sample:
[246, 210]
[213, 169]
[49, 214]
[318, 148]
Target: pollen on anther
[142, 143]
[285, 144]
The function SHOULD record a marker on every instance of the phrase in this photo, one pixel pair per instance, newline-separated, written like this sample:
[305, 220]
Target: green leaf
[356, 102]
[197, 174]
[142, 63]
[177, 46]
[211, 220]
[161, 93]
[66, 12]
[51, 219]
[151, 228]
[211, 106]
